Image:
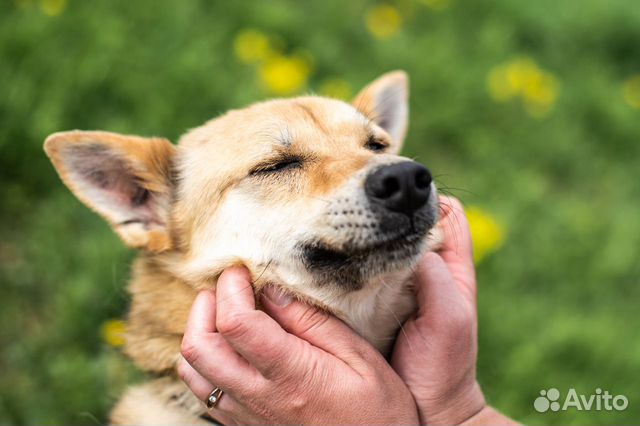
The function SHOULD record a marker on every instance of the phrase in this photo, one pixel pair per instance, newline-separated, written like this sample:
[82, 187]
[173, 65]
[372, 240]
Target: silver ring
[214, 398]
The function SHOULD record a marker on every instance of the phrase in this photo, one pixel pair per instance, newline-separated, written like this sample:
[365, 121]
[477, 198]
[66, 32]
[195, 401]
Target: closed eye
[278, 166]
[375, 145]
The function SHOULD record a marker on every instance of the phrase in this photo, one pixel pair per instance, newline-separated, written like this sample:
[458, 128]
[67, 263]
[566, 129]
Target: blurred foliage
[527, 111]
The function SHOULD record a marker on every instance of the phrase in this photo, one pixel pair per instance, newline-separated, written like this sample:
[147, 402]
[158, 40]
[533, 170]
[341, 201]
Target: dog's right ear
[126, 179]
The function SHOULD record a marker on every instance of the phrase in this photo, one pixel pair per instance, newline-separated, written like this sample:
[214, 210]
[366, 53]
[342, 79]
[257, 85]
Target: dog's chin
[350, 267]
[319, 255]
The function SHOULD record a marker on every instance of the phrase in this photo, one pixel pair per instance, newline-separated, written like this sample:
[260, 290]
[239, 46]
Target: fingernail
[277, 296]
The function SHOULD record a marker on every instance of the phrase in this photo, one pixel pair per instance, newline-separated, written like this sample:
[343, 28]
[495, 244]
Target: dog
[309, 193]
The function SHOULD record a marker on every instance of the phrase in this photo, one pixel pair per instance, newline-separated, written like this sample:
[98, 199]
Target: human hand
[292, 364]
[436, 354]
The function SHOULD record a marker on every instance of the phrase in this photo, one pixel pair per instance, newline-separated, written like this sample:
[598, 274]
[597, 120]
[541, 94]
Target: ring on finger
[214, 397]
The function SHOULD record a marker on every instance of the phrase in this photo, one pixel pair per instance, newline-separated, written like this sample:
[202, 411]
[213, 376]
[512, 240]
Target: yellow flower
[499, 85]
[113, 332]
[383, 21]
[436, 4]
[539, 94]
[487, 233]
[284, 75]
[252, 46]
[53, 7]
[336, 88]
[523, 78]
[631, 91]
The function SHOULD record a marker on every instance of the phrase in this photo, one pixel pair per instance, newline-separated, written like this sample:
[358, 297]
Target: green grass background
[558, 302]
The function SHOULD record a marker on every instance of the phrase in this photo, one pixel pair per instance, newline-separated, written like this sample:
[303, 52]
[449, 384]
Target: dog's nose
[402, 187]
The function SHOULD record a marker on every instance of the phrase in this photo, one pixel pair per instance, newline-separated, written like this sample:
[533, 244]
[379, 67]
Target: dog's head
[310, 191]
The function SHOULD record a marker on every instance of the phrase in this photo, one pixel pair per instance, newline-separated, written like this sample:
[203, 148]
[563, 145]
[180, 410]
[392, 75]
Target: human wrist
[489, 416]
[455, 408]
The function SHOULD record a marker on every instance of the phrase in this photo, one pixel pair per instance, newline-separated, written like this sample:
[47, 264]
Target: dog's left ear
[386, 102]
[126, 179]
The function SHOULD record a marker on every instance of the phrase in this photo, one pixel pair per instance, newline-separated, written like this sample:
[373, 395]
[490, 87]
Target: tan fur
[165, 401]
[333, 155]
[154, 334]
[214, 163]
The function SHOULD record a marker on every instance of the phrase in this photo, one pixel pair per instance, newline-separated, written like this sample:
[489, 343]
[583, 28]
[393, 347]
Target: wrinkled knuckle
[233, 325]
[189, 350]
[312, 318]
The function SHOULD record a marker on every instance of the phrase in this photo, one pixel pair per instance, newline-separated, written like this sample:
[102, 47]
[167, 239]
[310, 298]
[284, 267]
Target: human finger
[256, 336]
[206, 350]
[316, 326]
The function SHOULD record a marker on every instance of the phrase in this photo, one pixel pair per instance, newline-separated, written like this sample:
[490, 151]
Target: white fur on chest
[376, 311]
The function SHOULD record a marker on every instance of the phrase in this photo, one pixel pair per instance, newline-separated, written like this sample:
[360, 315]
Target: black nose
[402, 187]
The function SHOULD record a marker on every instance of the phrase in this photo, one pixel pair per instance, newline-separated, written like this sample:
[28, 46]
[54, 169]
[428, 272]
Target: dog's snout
[402, 187]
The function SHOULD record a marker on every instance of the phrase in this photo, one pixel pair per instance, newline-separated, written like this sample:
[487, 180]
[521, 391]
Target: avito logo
[549, 399]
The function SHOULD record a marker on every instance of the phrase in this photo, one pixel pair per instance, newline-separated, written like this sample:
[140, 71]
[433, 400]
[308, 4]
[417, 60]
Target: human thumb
[436, 290]
[310, 323]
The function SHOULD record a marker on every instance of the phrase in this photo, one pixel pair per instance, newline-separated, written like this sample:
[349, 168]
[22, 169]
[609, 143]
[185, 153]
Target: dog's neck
[376, 311]
[379, 309]
[161, 302]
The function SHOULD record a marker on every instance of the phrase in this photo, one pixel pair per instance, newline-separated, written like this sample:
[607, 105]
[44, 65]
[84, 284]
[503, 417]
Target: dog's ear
[386, 102]
[126, 179]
